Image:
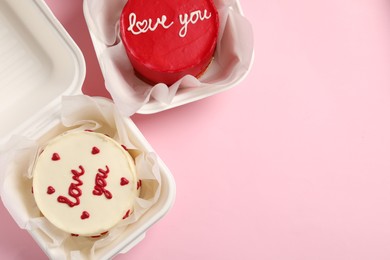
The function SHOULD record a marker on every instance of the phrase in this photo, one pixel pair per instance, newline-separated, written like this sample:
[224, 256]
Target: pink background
[293, 163]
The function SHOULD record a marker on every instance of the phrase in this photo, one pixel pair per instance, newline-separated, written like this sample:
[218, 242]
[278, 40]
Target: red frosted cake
[85, 183]
[168, 39]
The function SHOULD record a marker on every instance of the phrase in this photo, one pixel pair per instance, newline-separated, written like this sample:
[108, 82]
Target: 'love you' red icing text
[75, 192]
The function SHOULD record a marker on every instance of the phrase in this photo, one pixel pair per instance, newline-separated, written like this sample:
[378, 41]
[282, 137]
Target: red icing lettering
[74, 191]
[100, 183]
[124, 181]
[55, 157]
[139, 184]
[95, 150]
[50, 190]
[84, 215]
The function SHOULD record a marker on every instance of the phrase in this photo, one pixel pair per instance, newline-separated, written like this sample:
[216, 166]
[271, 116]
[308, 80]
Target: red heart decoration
[126, 215]
[55, 157]
[50, 190]
[124, 181]
[84, 215]
[95, 150]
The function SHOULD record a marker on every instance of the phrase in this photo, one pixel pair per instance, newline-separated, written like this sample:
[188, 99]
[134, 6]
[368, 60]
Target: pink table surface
[293, 163]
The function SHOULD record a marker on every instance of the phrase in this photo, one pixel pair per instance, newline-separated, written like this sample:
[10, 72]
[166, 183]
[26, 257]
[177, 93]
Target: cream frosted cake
[85, 183]
[168, 39]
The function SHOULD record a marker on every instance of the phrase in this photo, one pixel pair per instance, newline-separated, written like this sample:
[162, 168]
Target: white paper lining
[16, 163]
[231, 61]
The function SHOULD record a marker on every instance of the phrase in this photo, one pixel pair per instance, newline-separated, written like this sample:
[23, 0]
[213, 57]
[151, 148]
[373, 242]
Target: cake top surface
[170, 35]
[84, 182]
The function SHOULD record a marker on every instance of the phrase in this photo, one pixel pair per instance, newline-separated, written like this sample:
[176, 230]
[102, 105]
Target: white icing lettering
[193, 18]
[143, 26]
[138, 27]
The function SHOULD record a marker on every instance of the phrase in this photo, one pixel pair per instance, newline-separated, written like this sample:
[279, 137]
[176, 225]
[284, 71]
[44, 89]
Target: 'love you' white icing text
[143, 26]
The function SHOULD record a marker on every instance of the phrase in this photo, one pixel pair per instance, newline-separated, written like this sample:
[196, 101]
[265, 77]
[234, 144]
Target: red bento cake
[85, 183]
[168, 39]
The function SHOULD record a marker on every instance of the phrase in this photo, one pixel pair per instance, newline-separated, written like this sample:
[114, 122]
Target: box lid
[39, 62]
